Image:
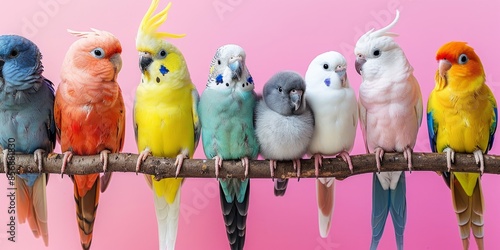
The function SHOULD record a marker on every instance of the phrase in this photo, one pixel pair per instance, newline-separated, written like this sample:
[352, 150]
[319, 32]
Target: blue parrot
[27, 124]
[226, 113]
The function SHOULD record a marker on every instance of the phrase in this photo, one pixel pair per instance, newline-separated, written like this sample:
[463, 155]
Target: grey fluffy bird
[284, 124]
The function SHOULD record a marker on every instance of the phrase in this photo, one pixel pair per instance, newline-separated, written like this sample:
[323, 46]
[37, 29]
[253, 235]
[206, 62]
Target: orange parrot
[90, 116]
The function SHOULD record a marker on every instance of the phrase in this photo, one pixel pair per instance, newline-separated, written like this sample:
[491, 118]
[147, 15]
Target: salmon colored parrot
[90, 115]
[462, 118]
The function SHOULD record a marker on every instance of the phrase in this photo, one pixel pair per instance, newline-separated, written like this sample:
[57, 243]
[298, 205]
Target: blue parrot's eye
[325, 66]
[280, 89]
[463, 59]
[162, 54]
[376, 53]
[98, 53]
[13, 53]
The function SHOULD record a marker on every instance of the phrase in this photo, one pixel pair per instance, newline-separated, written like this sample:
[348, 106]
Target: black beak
[144, 62]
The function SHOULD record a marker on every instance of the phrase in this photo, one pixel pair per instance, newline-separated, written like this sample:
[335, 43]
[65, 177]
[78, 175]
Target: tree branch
[332, 167]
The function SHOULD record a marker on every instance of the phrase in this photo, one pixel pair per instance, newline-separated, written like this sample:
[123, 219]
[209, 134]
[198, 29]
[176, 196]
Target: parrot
[90, 116]
[390, 113]
[284, 124]
[462, 117]
[335, 108]
[26, 121]
[166, 121]
[226, 111]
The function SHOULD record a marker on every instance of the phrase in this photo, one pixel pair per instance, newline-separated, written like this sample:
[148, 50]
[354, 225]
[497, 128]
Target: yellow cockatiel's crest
[148, 30]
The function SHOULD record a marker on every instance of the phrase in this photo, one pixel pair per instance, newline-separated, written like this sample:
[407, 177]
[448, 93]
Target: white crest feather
[383, 31]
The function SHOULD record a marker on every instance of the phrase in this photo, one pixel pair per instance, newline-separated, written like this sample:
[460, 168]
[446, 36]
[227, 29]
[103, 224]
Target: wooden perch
[194, 168]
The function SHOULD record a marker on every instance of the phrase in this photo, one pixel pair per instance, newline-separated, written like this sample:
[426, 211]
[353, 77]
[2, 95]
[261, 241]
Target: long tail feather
[398, 210]
[380, 210]
[32, 206]
[325, 197]
[167, 216]
[235, 214]
[86, 208]
[469, 209]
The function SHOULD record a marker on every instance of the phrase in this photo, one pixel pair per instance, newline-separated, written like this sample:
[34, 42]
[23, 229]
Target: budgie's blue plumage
[26, 121]
[226, 112]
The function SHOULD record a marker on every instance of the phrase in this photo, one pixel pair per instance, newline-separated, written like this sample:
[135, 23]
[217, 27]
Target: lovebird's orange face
[459, 66]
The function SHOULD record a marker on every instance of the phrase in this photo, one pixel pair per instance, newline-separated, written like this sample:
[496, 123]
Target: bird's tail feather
[280, 187]
[32, 206]
[167, 216]
[469, 209]
[86, 208]
[325, 197]
[235, 216]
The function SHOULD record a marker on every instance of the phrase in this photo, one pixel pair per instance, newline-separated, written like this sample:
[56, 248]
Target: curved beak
[296, 98]
[145, 60]
[116, 60]
[444, 66]
[359, 64]
[342, 73]
[236, 66]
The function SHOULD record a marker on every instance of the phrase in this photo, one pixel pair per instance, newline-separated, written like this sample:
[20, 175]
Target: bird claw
[178, 163]
[104, 159]
[218, 165]
[379, 154]
[478, 155]
[347, 158]
[141, 158]
[272, 167]
[66, 159]
[296, 166]
[38, 156]
[318, 162]
[407, 154]
[244, 162]
[450, 157]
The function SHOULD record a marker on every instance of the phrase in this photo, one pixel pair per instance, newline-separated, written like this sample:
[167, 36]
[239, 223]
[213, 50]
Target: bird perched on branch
[390, 112]
[284, 124]
[90, 116]
[227, 117]
[462, 117]
[26, 124]
[166, 120]
[335, 108]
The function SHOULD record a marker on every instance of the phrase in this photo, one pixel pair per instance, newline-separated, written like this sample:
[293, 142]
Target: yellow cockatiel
[462, 118]
[165, 118]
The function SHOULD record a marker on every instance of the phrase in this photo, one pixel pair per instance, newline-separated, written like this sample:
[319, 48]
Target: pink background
[276, 35]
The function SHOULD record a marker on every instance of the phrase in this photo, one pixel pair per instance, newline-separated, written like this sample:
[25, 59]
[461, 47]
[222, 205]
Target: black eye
[376, 53]
[98, 53]
[218, 62]
[463, 59]
[325, 66]
[162, 54]
[14, 53]
[280, 89]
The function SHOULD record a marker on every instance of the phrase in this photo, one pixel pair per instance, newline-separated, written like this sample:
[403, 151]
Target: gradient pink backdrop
[276, 35]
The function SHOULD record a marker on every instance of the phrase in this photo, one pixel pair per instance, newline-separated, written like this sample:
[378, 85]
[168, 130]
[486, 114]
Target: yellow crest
[150, 24]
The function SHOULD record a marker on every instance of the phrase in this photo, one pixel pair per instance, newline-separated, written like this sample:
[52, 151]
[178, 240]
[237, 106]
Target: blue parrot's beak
[296, 98]
[236, 66]
[359, 64]
[145, 60]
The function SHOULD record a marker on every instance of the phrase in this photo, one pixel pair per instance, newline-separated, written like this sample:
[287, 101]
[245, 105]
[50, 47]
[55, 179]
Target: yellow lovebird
[165, 117]
[462, 118]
